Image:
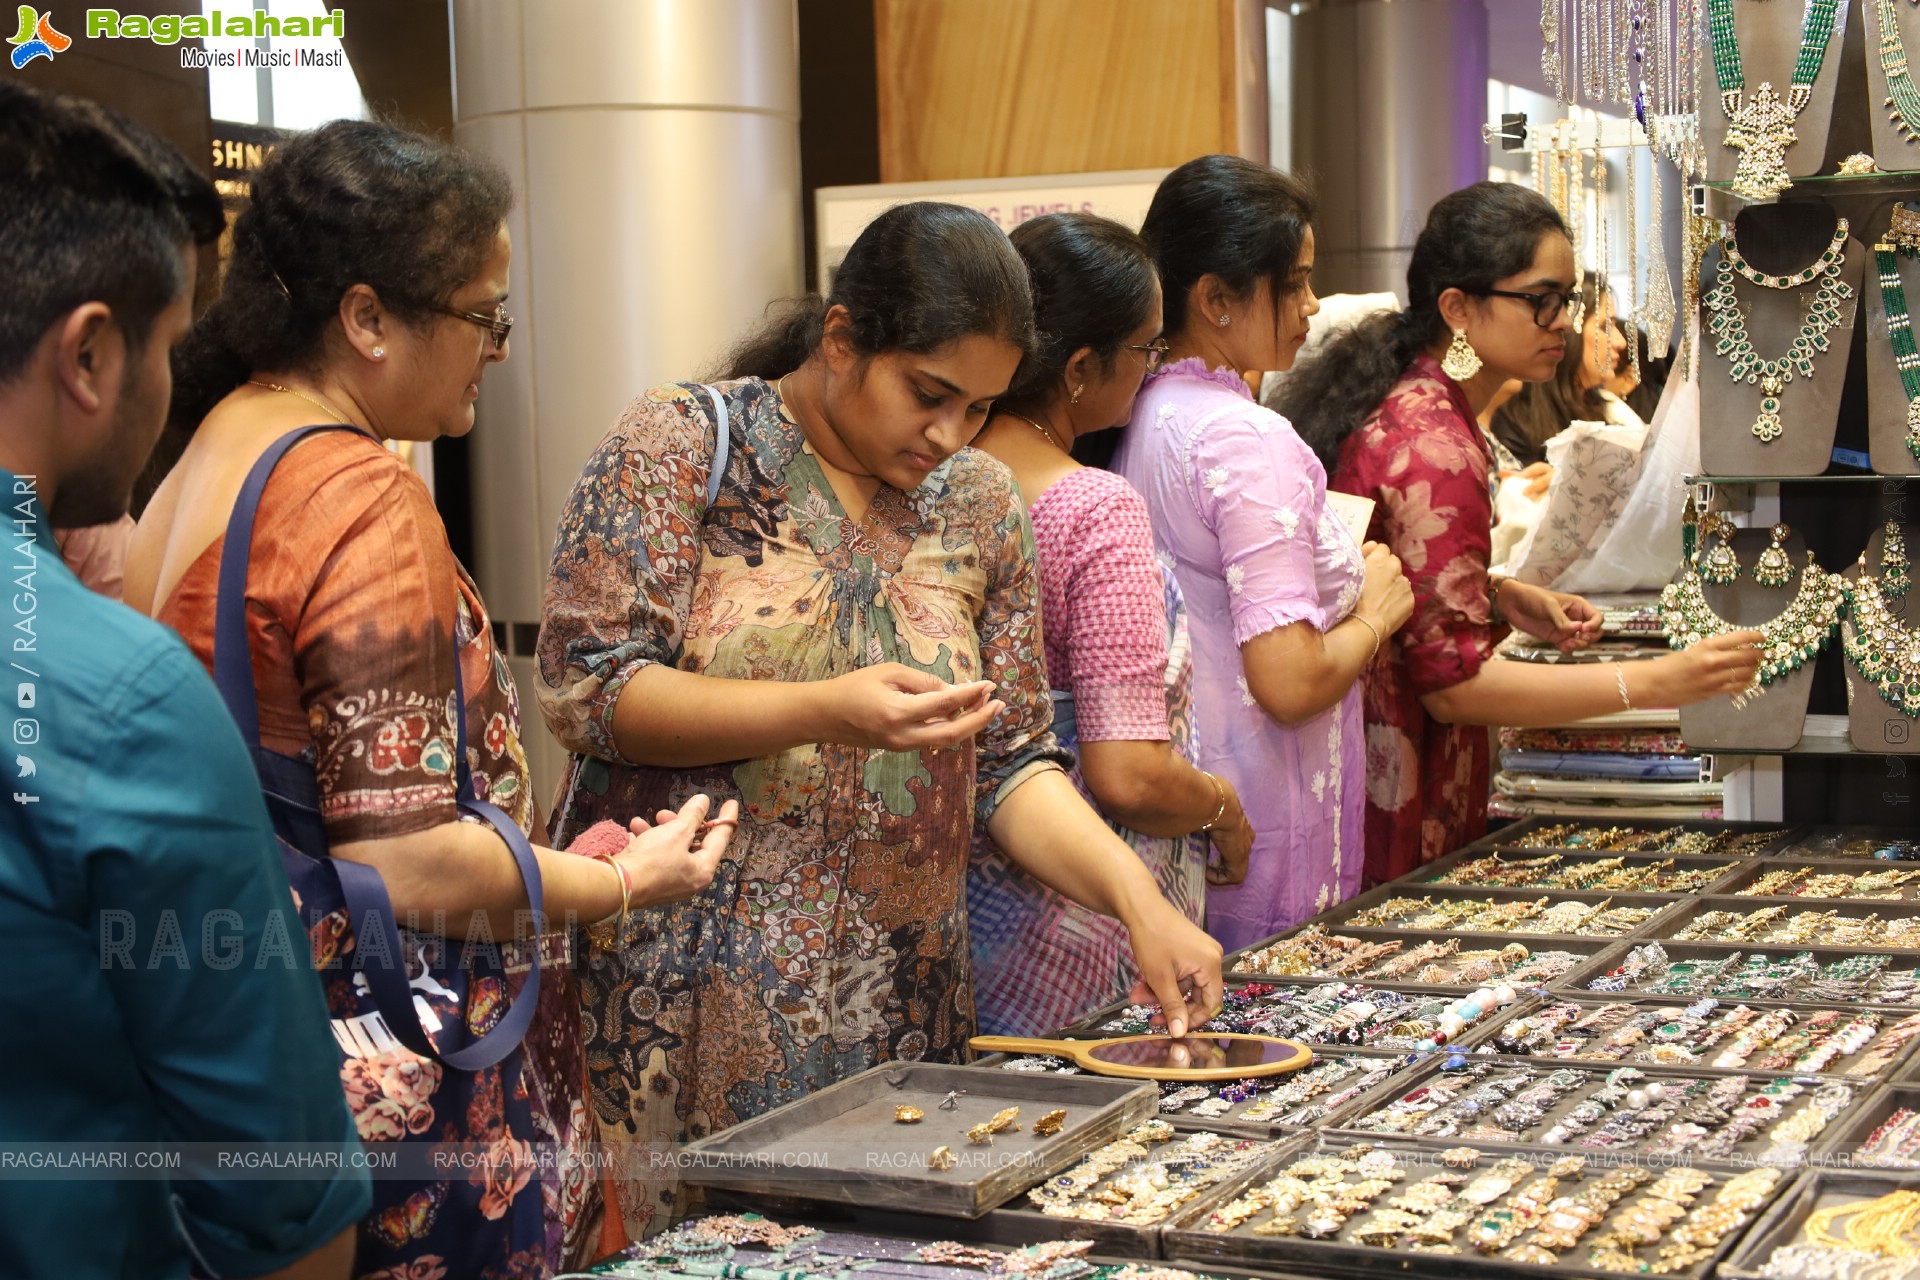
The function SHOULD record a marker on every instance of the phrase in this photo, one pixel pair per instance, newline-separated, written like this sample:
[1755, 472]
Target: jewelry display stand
[1777, 718]
[1871, 723]
[1770, 39]
[1894, 148]
[1887, 400]
[1779, 240]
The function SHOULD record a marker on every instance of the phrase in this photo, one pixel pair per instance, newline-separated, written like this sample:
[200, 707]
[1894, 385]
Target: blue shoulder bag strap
[368, 905]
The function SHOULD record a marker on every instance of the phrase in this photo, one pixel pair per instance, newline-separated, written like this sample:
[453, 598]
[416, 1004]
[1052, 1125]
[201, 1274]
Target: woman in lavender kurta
[1285, 608]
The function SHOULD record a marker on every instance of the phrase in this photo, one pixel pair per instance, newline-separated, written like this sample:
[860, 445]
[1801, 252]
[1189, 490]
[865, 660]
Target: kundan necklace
[1884, 652]
[1903, 98]
[1729, 324]
[1906, 356]
[1760, 127]
[1790, 640]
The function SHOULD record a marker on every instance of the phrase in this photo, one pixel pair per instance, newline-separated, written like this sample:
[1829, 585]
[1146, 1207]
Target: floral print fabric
[1239, 504]
[1424, 461]
[357, 611]
[834, 935]
[1119, 656]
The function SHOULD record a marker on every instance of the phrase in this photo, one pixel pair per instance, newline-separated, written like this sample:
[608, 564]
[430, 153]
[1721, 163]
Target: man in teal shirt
[145, 921]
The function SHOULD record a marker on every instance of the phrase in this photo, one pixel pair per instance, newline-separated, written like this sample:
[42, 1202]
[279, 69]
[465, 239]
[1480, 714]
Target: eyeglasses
[1156, 351]
[1546, 306]
[499, 324]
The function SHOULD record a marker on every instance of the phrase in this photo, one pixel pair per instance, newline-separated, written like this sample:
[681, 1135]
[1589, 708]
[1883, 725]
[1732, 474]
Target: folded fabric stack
[1630, 764]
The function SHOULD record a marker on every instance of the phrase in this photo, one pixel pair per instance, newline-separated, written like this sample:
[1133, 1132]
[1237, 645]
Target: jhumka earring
[1720, 566]
[1894, 579]
[1773, 568]
[1461, 361]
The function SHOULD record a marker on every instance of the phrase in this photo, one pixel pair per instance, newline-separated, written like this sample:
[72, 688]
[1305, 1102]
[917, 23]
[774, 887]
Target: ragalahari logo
[37, 38]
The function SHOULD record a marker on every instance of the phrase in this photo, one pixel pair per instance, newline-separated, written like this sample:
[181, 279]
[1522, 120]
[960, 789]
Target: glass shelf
[1846, 479]
[1887, 178]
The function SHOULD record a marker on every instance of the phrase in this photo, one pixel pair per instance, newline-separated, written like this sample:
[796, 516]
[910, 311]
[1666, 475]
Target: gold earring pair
[1461, 361]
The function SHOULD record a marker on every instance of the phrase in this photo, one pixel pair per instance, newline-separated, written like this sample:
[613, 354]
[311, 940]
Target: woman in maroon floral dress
[1392, 407]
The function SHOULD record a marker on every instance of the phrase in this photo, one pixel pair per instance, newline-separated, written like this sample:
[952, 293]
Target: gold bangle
[1360, 618]
[1220, 790]
[1493, 597]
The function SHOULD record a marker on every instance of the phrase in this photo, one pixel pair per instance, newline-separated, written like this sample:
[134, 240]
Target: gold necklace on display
[1037, 427]
[323, 407]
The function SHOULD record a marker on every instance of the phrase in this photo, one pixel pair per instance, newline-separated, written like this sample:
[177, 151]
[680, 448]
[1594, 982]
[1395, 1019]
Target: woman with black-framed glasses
[1392, 407]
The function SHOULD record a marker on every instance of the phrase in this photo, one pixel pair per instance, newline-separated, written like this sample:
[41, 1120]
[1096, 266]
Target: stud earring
[1461, 361]
[1224, 319]
[1075, 398]
[379, 353]
[1894, 579]
[1773, 568]
[1721, 567]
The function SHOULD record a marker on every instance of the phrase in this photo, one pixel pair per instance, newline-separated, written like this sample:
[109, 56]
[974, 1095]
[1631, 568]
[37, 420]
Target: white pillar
[654, 146]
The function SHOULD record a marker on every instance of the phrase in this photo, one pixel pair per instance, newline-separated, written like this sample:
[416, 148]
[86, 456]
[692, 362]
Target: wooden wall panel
[995, 88]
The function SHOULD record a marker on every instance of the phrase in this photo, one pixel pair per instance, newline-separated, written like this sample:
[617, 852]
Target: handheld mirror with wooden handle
[1160, 1057]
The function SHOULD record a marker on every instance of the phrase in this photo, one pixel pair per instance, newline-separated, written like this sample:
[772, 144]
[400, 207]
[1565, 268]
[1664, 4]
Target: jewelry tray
[1575, 984]
[1093, 1026]
[1231, 1123]
[1590, 949]
[1781, 1225]
[1022, 1221]
[1426, 877]
[1507, 839]
[843, 1144]
[1909, 892]
[1837, 1148]
[1673, 1005]
[1187, 1243]
[1661, 906]
[1672, 923]
[1745, 1155]
[1829, 844]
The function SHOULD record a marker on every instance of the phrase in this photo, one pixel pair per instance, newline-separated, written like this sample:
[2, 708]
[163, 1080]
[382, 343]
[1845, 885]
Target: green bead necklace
[1884, 652]
[1789, 641]
[1906, 355]
[1728, 323]
[1760, 128]
[1903, 97]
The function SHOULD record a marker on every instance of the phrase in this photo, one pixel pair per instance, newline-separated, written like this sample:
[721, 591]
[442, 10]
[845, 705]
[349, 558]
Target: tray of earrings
[1457, 962]
[1355, 1209]
[1865, 926]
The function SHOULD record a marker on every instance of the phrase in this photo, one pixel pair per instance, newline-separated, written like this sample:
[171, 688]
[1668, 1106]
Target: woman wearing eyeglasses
[365, 290]
[1285, 605]
[1392, 409]
[1115, 635]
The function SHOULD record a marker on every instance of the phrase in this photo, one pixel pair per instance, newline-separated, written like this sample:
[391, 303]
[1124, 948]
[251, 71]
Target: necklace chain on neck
[1045, 431]
[321, 405]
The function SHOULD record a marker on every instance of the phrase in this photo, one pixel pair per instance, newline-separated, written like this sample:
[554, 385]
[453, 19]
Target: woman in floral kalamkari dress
[1487, 290]
[1286, 606]
[1118, 655]
[846, 640]
[358, 615]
